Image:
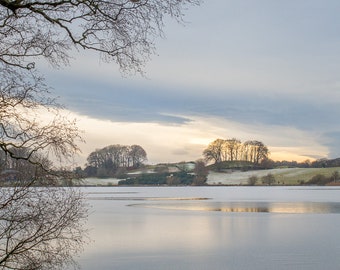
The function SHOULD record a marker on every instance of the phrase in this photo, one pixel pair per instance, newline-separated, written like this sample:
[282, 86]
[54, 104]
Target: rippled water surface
[213, 228]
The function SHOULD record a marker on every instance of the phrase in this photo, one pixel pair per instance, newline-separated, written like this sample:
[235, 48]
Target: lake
[213, 228]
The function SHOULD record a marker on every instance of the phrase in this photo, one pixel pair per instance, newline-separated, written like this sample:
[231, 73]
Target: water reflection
[111, 192]
[256, 207]
[110, 198]
[227, 231]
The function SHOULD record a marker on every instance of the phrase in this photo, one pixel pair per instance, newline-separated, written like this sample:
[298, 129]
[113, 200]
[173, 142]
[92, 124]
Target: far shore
[283, 176]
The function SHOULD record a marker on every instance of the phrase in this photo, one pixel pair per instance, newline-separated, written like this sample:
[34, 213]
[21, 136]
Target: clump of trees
[319, 163]
[321, 179]
[115, 160]
[201, 173]
[268, 179]
[252, 180]
[234, 150]
[325, 163]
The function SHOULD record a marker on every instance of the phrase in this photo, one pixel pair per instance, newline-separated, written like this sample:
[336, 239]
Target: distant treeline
[250, 155]
[114, 161]
[271, 164]
[320, 163]
[222, 154]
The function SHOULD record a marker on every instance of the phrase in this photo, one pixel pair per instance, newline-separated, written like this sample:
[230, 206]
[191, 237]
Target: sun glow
[186, 142]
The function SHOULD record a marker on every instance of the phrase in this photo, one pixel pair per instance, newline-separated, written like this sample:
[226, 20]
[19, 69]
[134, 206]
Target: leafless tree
[233, 150]
[120, 30]
[201, 173]
[41, 227]
[268, 179]
[255, 151]
[215, 151]
[232, 147]
[137, 155]
[32, 120]
[335, 176]
[252, 180]
[113, 157]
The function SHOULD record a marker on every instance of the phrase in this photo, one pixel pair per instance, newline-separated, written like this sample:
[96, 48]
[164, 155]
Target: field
[284, 176]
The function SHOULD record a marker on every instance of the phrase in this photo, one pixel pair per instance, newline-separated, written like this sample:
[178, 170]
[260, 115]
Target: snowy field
[241, 178]
[283, 176]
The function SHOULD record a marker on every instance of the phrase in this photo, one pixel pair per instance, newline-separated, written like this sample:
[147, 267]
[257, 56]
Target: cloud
[167, 121]
[267, 70]
[186, 142]
[148, 102]
[332, 141]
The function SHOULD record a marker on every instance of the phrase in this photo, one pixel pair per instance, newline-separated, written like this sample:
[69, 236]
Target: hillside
[284, 176]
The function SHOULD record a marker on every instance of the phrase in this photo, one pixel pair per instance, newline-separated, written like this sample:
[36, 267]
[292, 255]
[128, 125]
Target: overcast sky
[264, 70]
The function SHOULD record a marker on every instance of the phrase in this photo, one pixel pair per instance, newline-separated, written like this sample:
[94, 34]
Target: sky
[266, 70]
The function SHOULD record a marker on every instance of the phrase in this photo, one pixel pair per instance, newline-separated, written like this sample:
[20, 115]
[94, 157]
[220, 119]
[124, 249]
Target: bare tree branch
[43, 230]
[41, 227]
[122, 31]
[23, 98]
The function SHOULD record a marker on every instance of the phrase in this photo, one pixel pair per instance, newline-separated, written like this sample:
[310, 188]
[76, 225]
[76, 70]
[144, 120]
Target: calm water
[213, 228]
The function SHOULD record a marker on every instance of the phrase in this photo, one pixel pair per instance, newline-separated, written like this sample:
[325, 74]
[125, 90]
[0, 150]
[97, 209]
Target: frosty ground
[283, 176]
